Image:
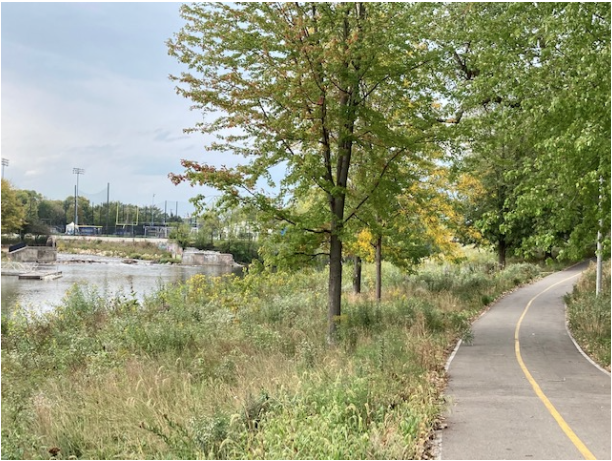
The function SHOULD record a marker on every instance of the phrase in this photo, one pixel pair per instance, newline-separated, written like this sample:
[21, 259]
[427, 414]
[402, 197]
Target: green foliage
[534, 79]
[181, 233]
[13, 212]
[339, 95]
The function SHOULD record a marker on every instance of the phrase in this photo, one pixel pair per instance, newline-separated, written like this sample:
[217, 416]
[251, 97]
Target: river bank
[158, 250]
[109, 275]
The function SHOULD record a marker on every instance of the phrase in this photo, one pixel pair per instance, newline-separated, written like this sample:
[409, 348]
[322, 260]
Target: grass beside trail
[240, 368]
[589, 315]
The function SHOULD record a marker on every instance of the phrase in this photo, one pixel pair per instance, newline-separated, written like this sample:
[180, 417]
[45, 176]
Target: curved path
[523, 390]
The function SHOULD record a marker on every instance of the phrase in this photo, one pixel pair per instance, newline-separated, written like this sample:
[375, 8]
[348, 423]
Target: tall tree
[31, 201]
[542, 70]
[295, 85]
[13, 211]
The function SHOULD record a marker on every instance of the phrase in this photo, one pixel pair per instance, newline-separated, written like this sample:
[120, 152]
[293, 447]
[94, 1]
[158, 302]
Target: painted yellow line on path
[586, 453]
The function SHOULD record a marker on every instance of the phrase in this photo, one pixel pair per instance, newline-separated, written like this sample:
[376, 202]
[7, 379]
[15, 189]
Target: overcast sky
[85, 85]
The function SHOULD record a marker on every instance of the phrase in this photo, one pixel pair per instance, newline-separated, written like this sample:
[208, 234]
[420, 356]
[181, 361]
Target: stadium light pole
[5, 162]
[152, 205]
[78, 172]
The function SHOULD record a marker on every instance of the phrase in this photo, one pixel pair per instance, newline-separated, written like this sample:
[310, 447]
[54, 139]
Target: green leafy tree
[13, 211]
[181, 232]
[299, 86]
[52, 213]
[84, 210]
[536, 79]
[30, 201]
[500, 159]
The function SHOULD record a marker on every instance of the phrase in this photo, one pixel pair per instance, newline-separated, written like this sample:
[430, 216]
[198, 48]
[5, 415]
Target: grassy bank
[141, 249]
[589, 315]
[239, 368]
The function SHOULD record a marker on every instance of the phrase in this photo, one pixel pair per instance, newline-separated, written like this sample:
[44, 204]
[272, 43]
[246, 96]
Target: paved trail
[522, 390]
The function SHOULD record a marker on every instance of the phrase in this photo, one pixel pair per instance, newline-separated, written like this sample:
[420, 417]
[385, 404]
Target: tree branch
[376, 184]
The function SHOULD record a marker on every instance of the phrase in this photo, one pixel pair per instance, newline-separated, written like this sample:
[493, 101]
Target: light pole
[599, 252]
[152, 206]
[5, 162]
[78, 172]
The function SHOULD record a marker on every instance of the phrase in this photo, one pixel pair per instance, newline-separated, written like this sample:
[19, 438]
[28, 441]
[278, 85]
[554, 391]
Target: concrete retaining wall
[193, 257]
[39, 255]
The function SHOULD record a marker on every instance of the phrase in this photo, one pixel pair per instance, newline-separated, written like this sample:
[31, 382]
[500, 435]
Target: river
[111, 276]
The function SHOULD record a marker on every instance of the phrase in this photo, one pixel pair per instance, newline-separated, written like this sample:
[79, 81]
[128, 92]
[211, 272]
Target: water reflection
[111, 276]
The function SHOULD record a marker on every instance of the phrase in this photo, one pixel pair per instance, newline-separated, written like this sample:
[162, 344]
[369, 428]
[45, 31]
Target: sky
[85, 85]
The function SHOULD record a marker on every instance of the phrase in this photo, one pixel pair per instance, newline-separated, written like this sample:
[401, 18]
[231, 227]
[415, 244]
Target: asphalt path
[522, 389]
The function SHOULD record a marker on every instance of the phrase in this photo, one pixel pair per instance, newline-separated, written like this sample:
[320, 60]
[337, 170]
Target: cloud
[168, 136]
[85, 85]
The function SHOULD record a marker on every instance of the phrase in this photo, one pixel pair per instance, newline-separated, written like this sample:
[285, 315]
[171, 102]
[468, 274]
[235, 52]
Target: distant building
[72, 229]
[161, 232]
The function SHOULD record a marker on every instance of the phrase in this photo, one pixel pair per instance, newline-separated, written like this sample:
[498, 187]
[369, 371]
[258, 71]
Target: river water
[111, 276]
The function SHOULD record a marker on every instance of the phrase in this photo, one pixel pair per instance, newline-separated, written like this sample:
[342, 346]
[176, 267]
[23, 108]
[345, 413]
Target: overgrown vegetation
[236, 368]
[589, 315]
[140, 249]
[243, 247]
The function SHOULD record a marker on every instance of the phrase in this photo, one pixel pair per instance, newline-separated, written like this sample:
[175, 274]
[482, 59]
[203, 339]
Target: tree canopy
[13, 214]
[313, 88]
[345, 116]
[534, 83]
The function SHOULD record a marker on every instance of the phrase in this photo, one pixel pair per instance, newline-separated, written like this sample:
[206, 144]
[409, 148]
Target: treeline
[28, 212]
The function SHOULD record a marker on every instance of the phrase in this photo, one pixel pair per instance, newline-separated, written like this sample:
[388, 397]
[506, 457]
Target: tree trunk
[379, 268]
[501, 254]
[357, 276]
[335, 287]
[349, 101]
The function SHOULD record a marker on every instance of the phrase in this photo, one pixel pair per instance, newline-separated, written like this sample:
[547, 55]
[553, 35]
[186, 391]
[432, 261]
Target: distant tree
[52, 213]
[172, 218]
[181, 233]
[33, 225]
[13, 211]
[84, 210]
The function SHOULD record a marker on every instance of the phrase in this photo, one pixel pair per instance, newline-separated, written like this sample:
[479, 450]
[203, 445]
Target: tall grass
[239, 368]
[588, 315]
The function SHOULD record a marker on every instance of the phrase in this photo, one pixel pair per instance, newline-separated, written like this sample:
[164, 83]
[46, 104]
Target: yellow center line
[549, 406]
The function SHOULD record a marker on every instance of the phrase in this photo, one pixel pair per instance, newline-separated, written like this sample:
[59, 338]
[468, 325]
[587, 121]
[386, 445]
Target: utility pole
[5, 162]
[107, 206]
[78, 172]
[599, 251]
[152, 205]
